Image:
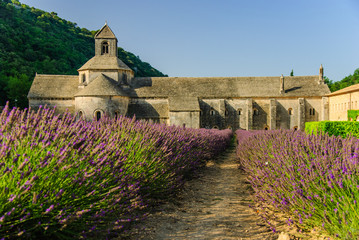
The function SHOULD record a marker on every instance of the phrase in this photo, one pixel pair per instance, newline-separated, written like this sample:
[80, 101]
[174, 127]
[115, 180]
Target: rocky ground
[213, 206]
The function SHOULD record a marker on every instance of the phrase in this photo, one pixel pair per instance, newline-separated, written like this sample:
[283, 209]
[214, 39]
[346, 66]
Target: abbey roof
[349, 89]
[105, 32]
[53, 86]
[102, 86]
[180, 90]
[104, 62]
[229, 87]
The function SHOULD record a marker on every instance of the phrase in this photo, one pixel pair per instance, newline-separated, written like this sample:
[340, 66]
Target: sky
[227, 38]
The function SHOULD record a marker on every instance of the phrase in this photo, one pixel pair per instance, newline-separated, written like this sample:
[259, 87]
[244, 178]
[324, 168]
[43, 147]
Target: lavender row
[67, 178]
[313, 179]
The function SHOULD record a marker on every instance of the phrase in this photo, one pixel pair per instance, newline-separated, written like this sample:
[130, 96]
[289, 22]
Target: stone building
[341, 101]
[105, 85]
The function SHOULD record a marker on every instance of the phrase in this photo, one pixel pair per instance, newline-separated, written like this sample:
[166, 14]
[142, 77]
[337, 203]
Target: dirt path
[214, 206]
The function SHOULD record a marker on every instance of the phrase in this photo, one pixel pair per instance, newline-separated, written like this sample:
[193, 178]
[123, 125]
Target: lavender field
[65, 178]
[314, 180]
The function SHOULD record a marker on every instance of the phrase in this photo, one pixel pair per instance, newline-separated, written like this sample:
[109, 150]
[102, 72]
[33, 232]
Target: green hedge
[352, 115]
[336, 128]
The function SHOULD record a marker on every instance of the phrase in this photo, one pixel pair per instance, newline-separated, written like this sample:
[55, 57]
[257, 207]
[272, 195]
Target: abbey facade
[106, 86]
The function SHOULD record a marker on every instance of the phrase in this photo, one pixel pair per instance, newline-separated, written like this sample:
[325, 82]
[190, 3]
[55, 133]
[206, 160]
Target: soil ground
[213, 206]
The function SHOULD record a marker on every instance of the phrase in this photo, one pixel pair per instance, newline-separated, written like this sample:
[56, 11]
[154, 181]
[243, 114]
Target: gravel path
[214, 206]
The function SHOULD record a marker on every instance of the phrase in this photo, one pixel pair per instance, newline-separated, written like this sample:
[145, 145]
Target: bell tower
[105, 42]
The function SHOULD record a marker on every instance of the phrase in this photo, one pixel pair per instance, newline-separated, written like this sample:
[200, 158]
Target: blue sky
[203, 38]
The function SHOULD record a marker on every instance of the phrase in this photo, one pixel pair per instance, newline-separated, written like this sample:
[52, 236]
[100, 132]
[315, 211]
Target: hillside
[345, 82]
[33, 40]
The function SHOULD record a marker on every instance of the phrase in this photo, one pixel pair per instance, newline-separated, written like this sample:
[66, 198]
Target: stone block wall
[184, 119]
[105, 104]
[155, 110]
[61, 104]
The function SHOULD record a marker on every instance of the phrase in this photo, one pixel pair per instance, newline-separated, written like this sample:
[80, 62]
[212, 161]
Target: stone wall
[185, 119]
[61, 104]
[340, 104]
[104, 104]
[155, 110]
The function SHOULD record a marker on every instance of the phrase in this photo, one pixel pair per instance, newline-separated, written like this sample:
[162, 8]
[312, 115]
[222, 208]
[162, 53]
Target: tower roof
[105, 32]
[104, 63]
[102, 86]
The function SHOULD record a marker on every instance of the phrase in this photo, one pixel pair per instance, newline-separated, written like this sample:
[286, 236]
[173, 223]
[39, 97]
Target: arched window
[313, 111]
[255, 112]
[104, 48]
[83, 78]
[98, 115]
[81, 115]
[295, 128]
[215, 127]
[239, 111]
[310, 111]
[212, 112]
[117, 114]
[290, 111]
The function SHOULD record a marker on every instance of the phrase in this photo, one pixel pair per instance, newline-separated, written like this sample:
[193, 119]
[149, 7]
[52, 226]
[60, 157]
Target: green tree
[291, 73]
[17, 89]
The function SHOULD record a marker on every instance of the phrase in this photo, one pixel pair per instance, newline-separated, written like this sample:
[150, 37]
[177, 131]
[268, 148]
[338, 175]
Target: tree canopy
[33, 40]
[345, 82]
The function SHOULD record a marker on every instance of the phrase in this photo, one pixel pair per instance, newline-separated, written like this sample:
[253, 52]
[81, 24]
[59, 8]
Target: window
[215, 127]
[83, 78]
[295, 128]
[290, 111]
[104, 48]
[266, 128]
[98, 115]
[212, 112]
[117, 114]
[255, 112]
[239, 112]
[311, 111]
[81, 115]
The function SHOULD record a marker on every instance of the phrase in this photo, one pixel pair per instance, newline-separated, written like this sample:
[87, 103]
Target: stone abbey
[106, 86]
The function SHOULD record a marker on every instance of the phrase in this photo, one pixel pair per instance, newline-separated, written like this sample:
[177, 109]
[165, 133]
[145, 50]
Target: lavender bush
[313, 179]
[65, 178]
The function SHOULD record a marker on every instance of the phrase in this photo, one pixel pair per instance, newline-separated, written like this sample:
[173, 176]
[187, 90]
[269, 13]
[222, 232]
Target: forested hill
[345, 82]
[32, 40]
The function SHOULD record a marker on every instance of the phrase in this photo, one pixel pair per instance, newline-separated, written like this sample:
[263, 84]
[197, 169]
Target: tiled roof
[102, 86]
[54, 86]
[104, 62]
[105, 32]
[351, 88]
[228, 87]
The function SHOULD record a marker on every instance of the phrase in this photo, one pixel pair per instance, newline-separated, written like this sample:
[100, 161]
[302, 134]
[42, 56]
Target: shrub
[68, 178]
[336, 128]
[314, 179]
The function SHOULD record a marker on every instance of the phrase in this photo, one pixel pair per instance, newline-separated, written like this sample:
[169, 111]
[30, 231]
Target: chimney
[321, 75]
[281, 91]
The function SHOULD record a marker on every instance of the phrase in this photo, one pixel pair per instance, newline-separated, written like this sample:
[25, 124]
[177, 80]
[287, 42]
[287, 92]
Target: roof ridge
[106, 31]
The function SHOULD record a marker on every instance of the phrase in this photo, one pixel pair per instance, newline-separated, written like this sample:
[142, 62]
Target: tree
[17, 89]
[291, 73]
